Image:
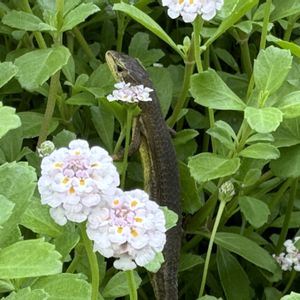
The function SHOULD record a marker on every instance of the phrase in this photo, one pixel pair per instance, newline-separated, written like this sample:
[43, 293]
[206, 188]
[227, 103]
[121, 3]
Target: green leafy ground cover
[230, 88]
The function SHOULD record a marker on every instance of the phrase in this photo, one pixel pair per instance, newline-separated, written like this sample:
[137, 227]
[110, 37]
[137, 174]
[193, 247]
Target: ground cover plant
[227, 77]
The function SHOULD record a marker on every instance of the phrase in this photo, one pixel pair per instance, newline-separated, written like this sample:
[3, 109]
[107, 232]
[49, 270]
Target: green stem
[264, 30]
[287, 217]
[197, 24]
[131, 285]
[121, 30]
[77, 256]
[38, 35]
[130, 111]
[290, 282]
[181, 101]
[92, 258]
[53, 89]
[84, 45]
[246, 59]
[210, 246]
[119, 141]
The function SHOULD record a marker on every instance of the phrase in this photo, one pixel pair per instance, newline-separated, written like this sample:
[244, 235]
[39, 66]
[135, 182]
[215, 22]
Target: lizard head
[125, 68]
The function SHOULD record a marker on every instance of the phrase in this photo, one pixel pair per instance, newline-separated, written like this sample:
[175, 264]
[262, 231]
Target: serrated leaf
[247, 249]
[7, 71]
[231, 272]
[138, 48]
[25, 21]
[291, 296]
[8, 119]
[35, 67]
[288, 165]
[31, 123]
[260, 151]
[170, 216]
[117, 286]
[263, 120]
[208, 166]
[64, 287]
[146, 21]
[15, 262]
[266, 66]
[210, 90]
[255, 211]
[155, 264]
[6, 209]
[78, 15]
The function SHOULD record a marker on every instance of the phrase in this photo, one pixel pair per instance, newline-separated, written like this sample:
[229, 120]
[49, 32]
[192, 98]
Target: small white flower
[127, 226]
[290, 259]
[131, 94]
[75, 179]
[189, 9]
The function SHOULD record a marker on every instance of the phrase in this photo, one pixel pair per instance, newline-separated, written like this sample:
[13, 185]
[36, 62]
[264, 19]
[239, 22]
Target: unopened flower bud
[46, 148]
[226, 191]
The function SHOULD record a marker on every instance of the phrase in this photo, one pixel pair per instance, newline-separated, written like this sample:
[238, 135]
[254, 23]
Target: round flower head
[75, 179]
[127, 226]
[189, 9]
[131, 94]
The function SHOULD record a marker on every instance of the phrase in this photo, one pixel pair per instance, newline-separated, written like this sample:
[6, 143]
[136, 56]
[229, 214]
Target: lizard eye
[119, 69]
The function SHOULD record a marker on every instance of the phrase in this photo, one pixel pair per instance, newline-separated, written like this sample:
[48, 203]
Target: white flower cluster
[189, 9]
[75, 179]
[128, 226]
[290, 259]
[130, 93]
[80, 184]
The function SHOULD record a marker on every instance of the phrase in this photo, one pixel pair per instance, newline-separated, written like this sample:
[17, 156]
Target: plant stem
[84, 45]
[53, 89]
[181, 101]
[121, 30]
[210, 245]
[287, 217]
[197, 25]
[246, 59]
[290, 282]
[92, 257]
[131, 285]
[130, 111]
[264, 30]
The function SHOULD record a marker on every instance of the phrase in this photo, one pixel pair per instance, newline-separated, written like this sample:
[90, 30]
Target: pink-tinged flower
[76, 179]
[290, 259]
[128, 226]
[127, 93]
[189, 9]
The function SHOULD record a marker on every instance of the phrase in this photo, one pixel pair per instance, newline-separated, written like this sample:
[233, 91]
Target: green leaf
[170, 216]
[63, 138]
[290, 105]
[251, 177]
[25, 21]
[223, 133]
[37, 218]
[8, 119]
[138, 48]
[117, 286]
[247, 249]
[239, 10]
[31, 123]
[155, 264]
[188, 261]
[190, 198]
[6, 209]
[184, 135]
[260, 137]
[288, 165]
[64, 287]
[285, 8]
[15, 262]
[28, 294]
[208, 166]
[263, 120]
[266, 66]
[82, 98]
[147, 22]
[291, 296]
[231, 273]
[260, 151]
[210, 90]
[7, 71]
[104, 122]
[294, 48]
[288, 133]
[78, 15]
[37, 66]
[17, 184]
[293, 223]
[255, 211]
